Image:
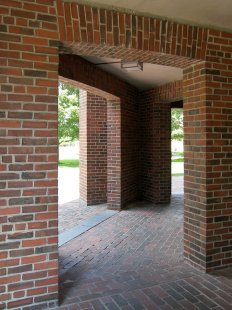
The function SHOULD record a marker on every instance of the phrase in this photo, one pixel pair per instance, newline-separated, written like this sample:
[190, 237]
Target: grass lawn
[70, 163]
[178, 154]
[178, 160]
[177, 174]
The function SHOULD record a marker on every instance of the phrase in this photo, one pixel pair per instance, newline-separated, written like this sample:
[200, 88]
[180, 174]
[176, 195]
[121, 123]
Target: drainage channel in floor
[77, 230]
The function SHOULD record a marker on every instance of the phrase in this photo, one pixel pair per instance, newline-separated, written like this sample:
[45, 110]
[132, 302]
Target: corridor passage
[134, 261]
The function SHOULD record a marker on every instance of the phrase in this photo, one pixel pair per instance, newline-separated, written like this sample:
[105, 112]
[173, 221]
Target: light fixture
[132, 65]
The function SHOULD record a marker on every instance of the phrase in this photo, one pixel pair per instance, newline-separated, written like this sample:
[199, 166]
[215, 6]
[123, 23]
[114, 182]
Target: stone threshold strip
[84, 226]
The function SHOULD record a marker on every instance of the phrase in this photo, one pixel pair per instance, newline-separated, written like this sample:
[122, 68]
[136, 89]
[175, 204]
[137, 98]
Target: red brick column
[93, 149]
[114, 154]
[155, 148]
[28, 155]
[208, 186]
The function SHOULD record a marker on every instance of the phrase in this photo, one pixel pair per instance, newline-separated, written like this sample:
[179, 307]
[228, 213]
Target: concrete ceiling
[151, 76]
[210, 13]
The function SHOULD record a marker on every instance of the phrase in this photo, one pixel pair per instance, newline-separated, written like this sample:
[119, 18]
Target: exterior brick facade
[30, 34]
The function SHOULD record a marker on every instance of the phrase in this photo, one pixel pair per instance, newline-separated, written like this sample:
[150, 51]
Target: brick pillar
[130, 148]
[155, 148]
[208, 183]
[28, 155]
[93, 149]
[114, 154]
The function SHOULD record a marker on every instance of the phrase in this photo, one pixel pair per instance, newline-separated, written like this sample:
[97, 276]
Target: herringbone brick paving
[134, 261]
[72, 214]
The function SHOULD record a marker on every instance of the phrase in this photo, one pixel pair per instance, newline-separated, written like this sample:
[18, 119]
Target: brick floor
[134, 261]
[72, 214]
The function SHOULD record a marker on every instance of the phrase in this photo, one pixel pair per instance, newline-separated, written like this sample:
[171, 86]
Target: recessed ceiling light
[132, 65]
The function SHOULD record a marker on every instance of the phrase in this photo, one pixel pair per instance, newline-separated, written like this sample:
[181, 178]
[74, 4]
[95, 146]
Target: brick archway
[30, 34]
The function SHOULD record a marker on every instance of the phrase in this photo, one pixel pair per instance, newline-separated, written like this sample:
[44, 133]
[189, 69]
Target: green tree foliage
[177, 124]
[68, 113]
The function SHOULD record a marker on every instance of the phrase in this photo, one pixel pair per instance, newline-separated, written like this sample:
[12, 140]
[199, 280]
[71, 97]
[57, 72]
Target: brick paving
[134, 261]
[72, 214]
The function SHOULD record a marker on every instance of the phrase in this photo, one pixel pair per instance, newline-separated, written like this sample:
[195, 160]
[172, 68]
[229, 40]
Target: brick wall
[130, 132]
[93, 149]
[155, 172]
[114, 155]
[28, 153]
[155, 144]
[208, 133]
[208, 187]
[87, 30]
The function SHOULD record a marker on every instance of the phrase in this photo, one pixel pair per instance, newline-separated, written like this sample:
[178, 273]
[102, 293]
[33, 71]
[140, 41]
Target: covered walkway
[134, 260]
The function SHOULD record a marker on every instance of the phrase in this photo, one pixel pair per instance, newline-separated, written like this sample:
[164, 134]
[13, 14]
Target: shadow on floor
[134, 261]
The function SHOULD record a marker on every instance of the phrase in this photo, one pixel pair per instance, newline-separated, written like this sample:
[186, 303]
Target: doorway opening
[68, 165]
[82, 159]
[177, 147]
